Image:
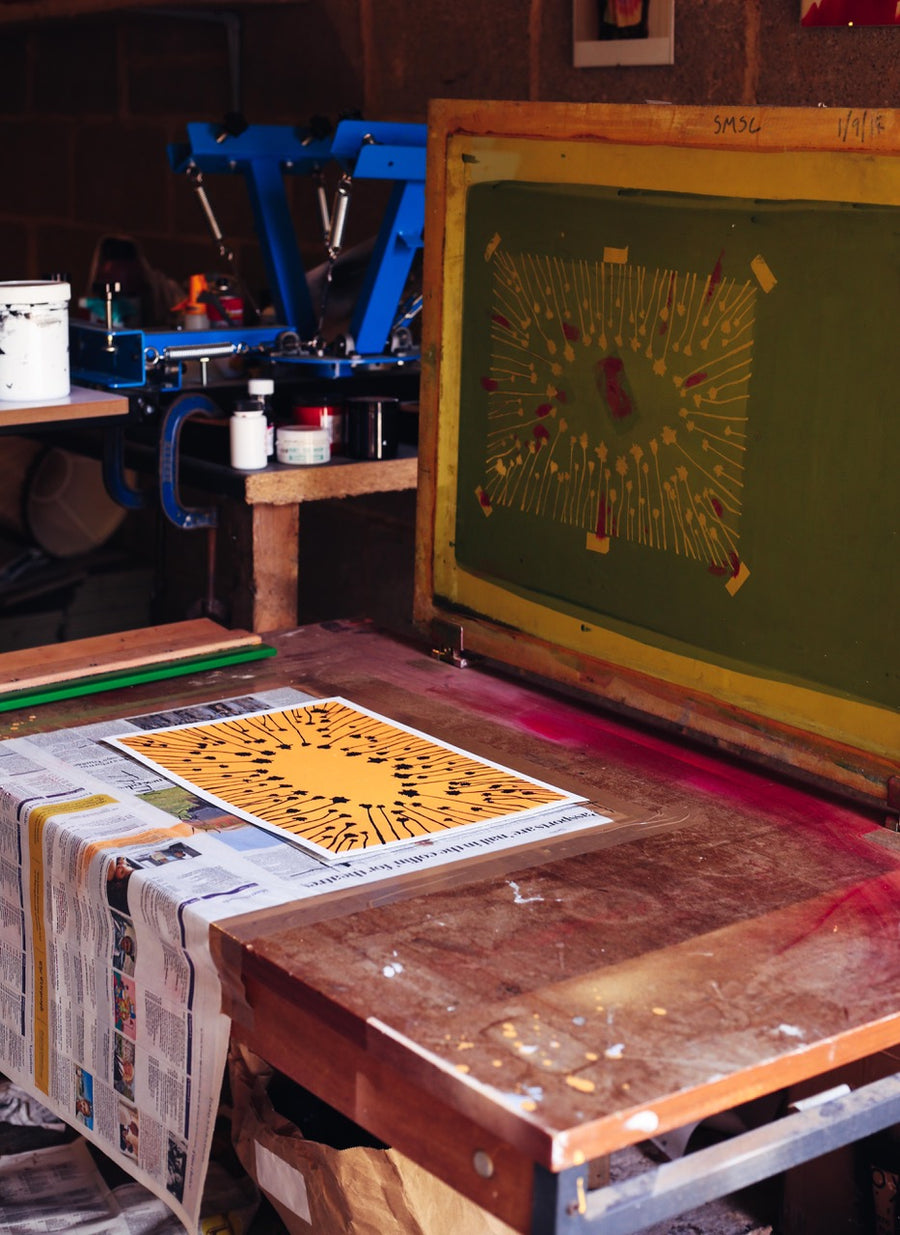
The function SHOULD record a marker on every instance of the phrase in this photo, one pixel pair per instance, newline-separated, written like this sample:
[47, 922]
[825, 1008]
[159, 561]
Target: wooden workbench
[265, 528]
[259, 512]
[728, 935]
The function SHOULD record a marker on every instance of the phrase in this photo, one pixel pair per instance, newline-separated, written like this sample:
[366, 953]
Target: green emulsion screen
[679, 420]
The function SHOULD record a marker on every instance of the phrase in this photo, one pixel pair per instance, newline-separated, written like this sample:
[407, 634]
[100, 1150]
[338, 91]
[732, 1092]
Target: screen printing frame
[848, 738]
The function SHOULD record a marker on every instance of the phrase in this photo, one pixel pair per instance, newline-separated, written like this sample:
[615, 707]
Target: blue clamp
[114, 479]
[184, 406]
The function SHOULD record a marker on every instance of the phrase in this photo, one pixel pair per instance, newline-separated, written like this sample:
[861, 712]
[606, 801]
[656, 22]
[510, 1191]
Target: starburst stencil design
[337, 778]
[572, 344]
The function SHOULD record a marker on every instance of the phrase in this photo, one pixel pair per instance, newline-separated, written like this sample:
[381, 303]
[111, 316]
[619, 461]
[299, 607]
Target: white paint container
[303, 444]
[247, 432]
[34, 341]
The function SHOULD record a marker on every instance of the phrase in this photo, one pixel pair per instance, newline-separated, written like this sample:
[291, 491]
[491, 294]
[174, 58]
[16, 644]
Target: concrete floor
[752, 1213]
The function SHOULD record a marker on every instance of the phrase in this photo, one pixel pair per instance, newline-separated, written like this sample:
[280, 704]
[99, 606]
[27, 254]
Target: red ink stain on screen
[488, 383]
[612, 385]
[732, 567]
[572, 333]
[694, 380]
[606, 521]
[543, 410]
[715, 278]
[499, 320]
[541, 435]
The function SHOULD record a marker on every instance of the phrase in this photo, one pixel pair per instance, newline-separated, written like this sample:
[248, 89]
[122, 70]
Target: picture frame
[849, 13]
[598, 42]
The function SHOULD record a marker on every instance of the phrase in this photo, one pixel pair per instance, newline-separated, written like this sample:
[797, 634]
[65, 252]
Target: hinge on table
[447, 643]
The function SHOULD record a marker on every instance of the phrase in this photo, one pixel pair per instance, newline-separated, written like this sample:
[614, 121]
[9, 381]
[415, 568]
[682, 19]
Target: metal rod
[339, 216]
[196, 178]
[675, 1187]
[324, 211]
[225, 251]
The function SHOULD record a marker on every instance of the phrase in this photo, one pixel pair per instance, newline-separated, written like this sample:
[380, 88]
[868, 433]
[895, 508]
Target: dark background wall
[88, 104]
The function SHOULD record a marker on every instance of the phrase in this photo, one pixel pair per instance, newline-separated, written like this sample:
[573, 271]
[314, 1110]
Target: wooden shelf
[280, 485]
[81, 404]
[44, 10]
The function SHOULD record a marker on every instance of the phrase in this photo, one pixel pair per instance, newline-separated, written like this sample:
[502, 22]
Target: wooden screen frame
[820, 736]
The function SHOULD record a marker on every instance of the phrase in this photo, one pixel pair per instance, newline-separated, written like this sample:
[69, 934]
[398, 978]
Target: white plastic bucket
[34, 341]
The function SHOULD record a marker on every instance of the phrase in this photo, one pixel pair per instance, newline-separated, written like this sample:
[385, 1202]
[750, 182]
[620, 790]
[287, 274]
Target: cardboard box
[328, 1190]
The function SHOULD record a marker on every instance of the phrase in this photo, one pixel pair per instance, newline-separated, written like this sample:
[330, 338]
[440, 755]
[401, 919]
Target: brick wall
[88, 105]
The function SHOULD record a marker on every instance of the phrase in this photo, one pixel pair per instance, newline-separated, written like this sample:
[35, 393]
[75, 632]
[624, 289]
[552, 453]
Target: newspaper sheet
[110, 875]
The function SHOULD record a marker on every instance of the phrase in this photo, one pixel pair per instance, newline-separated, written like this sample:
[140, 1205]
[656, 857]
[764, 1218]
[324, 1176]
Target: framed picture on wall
[623, 32]
[850, 12]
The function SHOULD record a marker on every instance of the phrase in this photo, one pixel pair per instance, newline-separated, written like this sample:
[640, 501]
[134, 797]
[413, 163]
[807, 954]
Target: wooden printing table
[725, 937]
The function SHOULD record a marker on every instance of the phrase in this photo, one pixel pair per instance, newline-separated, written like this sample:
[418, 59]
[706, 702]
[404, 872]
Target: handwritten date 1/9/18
[860, 126]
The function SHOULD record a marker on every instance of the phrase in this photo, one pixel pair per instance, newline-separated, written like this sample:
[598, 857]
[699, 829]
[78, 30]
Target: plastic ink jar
[302, 444]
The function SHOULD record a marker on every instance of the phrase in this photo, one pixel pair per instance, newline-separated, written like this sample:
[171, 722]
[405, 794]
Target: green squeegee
[74, 687]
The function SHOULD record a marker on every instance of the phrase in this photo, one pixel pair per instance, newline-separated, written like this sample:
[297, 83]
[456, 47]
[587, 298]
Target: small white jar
[34, 341]
[302, 444]
[247, 431]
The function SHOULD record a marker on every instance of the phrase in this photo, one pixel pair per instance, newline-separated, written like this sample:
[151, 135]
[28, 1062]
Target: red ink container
[328, 416]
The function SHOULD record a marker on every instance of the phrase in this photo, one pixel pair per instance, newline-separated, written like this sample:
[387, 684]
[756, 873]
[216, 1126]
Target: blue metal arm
[264, 154]
[398, 241]
[287, 276]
